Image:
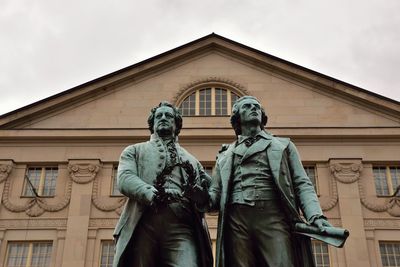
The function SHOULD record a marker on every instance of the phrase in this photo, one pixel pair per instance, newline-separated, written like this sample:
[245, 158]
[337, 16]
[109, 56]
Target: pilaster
[82, 172]
[347, 173]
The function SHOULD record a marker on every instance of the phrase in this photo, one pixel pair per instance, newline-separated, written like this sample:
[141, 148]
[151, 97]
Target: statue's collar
[155, 137]
[262, 134]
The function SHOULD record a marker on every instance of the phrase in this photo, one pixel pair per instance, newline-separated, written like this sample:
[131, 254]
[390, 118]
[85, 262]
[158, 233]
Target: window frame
[42, 181]
[29, 255]
[381, 242]
[113, 186]
[102, 242]
[213, 87]
[314, 166]
[388, 178]
[314, 242]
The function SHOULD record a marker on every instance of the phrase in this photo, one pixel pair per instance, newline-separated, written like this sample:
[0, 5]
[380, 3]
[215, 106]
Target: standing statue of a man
[259, 188]
[160, 224]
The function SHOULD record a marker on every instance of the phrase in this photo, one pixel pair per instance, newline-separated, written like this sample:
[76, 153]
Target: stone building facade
[67, 147]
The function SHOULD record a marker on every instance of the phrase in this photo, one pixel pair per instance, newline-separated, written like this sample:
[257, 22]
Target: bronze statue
[259, 188]
[160, 224]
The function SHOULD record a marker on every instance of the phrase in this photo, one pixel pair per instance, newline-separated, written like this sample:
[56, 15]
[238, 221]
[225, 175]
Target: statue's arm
[303, 187]
[128, 182]
[199, 193]
[215, 189]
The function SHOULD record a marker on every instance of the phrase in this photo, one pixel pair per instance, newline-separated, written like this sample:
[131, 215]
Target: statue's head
[165, 120]
[246, 110]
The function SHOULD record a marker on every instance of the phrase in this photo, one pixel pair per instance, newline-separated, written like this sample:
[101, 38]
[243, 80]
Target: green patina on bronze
[259, 188]
[164, 184]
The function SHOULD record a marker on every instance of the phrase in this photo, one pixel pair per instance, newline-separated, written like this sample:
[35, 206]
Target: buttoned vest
[251, 178]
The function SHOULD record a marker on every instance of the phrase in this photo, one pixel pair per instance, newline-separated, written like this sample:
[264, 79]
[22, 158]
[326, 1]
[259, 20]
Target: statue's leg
[272, 234]
[178, 247]
[238, 244]
[144, 246]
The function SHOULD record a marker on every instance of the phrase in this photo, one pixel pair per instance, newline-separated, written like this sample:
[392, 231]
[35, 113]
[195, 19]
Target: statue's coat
[138, 167]
[295, 188]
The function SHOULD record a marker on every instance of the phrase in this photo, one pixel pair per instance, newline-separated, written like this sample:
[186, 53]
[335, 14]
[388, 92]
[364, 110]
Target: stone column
[82, 172]
[347, 173]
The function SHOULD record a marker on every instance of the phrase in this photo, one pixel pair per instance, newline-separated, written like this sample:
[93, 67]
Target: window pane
[41, 254]
[17, 254]
[33, 174]
[208, 170]
[205, 102]
[188, 106]
[321, 254]
[234, 97]
[390, 253]
[107, 253]
[221, 98]
[395, 176]
[311, 173]
[115, 191]
[381, 185]
[49, 186]
[33, 254]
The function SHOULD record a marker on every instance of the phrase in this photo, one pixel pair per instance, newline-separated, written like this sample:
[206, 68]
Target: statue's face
[250, 111]
[164, 121]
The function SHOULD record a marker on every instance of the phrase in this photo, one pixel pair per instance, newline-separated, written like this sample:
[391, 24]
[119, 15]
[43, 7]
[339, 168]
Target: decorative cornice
[36, 206]
[31, 224]
[346, 171]
[103, 223]
[182, 92]
[381, 223]
[106, 203]
[5, 169]
[83, 171]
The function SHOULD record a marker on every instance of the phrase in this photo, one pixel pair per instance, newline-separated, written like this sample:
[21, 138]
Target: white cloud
[50, 46]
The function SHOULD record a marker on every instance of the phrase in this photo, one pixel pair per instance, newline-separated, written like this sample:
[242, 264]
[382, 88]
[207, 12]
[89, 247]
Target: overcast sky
[48, 46]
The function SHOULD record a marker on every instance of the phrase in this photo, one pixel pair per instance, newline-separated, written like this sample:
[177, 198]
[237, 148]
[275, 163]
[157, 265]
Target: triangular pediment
[293, 96]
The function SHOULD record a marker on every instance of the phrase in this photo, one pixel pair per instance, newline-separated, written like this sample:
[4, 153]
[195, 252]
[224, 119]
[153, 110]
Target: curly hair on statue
[235, 117]
[177, 115]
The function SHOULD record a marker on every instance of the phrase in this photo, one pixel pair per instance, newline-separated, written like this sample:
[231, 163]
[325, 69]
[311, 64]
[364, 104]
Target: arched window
[209, 101]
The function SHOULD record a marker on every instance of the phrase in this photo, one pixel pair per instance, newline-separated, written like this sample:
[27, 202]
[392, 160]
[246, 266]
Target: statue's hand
[151, 195]
[173, 194]
[198, 194]
[321, 223]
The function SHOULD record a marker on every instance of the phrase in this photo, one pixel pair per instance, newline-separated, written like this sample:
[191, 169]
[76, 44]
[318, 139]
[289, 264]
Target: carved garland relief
[5, 169]
[104, 203]
[346, 173]
[81, 171]
[327, 203]
[349, 172]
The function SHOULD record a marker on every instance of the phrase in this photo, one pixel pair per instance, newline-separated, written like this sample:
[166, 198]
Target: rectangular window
[115, 191]
[387, 179]
[29, 254]
[312, 174]
[107, 253]
[390, 253]
[321, 254]
[41, 180]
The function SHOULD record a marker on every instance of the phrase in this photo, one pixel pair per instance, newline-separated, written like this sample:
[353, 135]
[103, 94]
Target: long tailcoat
[138, 167]
[295, 188]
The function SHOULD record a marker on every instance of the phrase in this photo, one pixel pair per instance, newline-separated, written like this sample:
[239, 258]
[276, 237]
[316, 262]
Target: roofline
[104, 77]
